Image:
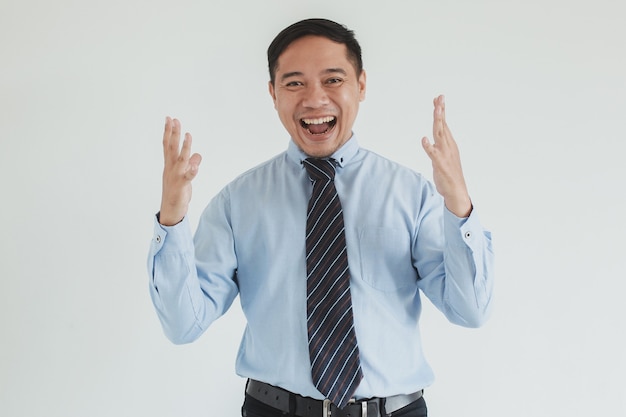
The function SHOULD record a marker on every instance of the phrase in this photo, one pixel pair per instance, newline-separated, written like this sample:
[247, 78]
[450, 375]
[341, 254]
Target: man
[401, 235]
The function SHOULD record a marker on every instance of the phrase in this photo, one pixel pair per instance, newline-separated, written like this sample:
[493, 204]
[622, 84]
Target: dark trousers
[254, 408]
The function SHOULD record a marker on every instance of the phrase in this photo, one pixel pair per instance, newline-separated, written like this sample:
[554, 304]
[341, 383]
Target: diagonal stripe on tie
[335, 364]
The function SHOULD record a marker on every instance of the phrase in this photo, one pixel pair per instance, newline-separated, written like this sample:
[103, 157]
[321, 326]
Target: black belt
[309, 407]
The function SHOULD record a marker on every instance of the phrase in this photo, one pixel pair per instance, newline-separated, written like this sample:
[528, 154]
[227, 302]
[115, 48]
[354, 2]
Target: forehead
[314, 54]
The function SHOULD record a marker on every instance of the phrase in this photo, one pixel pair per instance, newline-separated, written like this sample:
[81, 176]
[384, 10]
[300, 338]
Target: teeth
[319, 121]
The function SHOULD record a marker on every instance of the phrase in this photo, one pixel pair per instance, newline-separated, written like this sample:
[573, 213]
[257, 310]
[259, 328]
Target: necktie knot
[320, 169]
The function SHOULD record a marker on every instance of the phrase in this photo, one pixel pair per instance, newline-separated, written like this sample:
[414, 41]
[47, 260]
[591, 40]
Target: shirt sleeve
[455, 262]
[192, 279]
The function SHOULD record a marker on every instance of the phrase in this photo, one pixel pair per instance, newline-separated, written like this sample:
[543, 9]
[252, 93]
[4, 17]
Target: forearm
[456, 268]
[469, 271]
[182, 304]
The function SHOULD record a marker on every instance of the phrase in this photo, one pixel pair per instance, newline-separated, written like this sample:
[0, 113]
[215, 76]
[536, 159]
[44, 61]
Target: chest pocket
[385, 256]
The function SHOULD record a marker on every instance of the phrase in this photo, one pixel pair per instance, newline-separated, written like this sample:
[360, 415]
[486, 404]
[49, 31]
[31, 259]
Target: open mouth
[320, 125]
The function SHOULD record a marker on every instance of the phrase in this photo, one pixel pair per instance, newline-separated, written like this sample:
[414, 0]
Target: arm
[457, 263]
[192, 279]
[187, 292]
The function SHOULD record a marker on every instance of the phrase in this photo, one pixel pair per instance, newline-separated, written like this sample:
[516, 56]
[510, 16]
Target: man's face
[317, 94]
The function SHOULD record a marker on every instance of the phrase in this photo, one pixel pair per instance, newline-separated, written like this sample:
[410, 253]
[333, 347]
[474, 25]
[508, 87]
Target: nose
[315, 96]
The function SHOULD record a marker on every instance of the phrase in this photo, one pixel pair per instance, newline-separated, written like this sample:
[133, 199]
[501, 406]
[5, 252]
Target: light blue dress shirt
[250, 242]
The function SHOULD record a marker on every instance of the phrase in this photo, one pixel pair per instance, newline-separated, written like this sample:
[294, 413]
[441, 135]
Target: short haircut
[314, 27]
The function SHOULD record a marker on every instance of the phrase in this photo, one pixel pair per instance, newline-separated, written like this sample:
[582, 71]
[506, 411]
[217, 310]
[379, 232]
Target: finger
[194, 164]
[442, 107]
[440, 127]
[186, 149]
[175, 138]
[171, 140]
[167, 132]
[428, 147]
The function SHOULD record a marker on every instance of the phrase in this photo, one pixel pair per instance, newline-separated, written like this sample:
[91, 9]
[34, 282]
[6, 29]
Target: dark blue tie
[335, 364]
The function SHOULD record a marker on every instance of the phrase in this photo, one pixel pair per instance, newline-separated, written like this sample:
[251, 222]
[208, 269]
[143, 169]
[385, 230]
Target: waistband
[288, 402]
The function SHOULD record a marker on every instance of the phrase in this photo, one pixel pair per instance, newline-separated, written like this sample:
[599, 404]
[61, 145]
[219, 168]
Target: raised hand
[447, 171]
[180, 168]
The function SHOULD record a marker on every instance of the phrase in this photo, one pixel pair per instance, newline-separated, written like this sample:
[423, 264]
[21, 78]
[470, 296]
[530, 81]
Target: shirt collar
[342, 155]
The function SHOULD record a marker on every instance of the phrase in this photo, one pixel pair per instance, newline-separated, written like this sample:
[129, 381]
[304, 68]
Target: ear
[362, 85]
[272, 92]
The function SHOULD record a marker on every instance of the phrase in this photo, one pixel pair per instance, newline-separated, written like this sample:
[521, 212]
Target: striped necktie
[335, 364]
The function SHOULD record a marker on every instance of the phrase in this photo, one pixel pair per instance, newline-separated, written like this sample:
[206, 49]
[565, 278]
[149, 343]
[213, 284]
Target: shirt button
[468, 235]
[158, 239]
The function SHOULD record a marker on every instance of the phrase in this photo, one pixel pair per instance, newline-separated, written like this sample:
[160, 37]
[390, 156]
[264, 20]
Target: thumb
[194, 164]
[427, 145]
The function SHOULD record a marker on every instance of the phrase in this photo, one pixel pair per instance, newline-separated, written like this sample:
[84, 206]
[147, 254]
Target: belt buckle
[363, 405]
[326, 408]
[327, 404]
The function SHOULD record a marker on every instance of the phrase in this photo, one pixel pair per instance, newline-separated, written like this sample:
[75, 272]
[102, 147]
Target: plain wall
[536, 98]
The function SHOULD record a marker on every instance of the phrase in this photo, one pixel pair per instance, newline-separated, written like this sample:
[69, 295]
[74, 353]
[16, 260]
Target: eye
[334, 80]
[292, 84]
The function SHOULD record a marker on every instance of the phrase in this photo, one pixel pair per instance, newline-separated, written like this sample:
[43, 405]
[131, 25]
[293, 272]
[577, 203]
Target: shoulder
[263, 176]
[267, 167]
[375, 164]
[252, 183]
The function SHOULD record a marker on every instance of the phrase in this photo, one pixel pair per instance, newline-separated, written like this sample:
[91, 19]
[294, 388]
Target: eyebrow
[326, 71]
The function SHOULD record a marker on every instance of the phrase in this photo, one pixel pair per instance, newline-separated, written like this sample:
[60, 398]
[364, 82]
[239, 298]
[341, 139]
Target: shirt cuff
[176, 238]
[461, 231]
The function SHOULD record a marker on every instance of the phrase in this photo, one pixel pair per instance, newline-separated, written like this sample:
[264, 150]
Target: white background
[535, 97]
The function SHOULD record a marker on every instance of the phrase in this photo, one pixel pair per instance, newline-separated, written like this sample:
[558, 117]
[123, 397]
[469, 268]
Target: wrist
[460, 207]
[168, 220]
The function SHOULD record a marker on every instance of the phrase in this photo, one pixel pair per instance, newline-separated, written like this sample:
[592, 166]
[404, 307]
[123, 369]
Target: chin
[320, 150]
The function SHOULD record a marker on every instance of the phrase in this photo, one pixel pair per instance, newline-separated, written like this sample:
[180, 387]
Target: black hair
[316, 27]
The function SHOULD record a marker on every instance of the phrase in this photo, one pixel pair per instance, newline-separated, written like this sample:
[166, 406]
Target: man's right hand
[179, 169]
